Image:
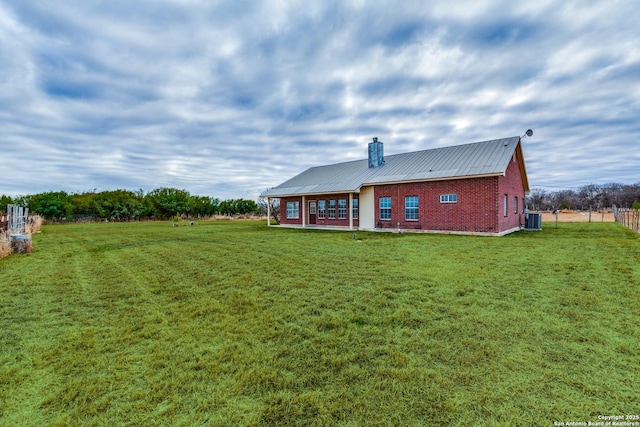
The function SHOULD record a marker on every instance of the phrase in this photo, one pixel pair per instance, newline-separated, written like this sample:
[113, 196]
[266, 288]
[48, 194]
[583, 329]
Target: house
[474, 188]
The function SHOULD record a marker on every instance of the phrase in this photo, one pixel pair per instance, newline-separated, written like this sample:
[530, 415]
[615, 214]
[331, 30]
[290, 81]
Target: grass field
[233, 323]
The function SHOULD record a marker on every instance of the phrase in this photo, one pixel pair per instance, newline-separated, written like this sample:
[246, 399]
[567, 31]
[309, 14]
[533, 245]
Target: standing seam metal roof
[459, 161]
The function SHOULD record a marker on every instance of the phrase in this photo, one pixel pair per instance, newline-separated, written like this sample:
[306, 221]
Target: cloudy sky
[229, 98]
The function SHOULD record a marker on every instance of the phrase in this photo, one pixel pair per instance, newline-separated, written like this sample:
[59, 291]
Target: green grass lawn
[233, 323]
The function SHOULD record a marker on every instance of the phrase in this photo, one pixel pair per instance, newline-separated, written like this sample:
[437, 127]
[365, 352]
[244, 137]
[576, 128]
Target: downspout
[398, 185]
[350, 211]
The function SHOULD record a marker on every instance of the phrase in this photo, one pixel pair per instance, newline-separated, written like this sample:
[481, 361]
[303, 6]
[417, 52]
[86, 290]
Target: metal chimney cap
[375, 139]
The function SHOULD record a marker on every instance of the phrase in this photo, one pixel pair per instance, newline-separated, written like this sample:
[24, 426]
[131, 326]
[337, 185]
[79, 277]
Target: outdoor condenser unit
[533, 221]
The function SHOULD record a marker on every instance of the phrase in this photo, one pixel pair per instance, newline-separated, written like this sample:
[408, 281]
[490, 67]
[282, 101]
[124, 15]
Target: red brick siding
[474, 211]
[319, 221]
[283, 210]
[511, 185]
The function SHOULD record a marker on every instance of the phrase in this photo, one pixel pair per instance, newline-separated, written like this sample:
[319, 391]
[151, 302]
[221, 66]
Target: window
[515, 205]
[293, 210]
[385, 207]
[354, 209]
[411, 208]
[322, 209]
[448, 198]
[332, 209]
[312, 208]
[342, 209]
[506, 202]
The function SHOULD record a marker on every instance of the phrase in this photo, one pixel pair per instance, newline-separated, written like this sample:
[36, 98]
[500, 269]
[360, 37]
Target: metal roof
[488, 158]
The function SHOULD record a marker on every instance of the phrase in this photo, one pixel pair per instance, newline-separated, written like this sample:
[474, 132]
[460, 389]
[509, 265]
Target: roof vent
[376, 153]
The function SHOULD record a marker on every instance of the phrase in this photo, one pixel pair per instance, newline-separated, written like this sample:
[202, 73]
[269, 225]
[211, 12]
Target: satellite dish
[529, 132]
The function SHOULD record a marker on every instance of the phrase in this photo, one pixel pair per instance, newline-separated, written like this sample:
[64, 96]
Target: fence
[628, 217]
[16, 220]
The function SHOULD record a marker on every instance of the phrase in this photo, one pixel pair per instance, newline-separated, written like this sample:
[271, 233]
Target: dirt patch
[577, 216]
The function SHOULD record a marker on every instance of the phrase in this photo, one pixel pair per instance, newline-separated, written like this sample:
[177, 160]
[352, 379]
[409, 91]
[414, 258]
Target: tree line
[592, 196]
[126, 205]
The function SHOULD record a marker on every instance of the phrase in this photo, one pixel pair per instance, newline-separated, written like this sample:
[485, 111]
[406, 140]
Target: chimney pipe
[376, 153]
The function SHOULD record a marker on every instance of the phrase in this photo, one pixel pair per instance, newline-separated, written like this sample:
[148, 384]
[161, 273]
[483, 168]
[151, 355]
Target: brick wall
[479, 206]
[344, 222]
[511, 185]
[474, 211]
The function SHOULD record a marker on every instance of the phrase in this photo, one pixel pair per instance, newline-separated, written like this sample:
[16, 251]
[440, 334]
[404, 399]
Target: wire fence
[628, 217]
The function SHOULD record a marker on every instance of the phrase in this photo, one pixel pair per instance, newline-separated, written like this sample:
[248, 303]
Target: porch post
[350, 211]
[268, 211]
[304, 211]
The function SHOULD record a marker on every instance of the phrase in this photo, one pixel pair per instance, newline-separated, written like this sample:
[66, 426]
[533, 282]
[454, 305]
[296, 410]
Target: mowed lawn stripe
[233, 323]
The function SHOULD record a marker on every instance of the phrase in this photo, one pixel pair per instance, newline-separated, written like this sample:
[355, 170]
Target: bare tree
[263, 205]
[536, 199]
[590, 196]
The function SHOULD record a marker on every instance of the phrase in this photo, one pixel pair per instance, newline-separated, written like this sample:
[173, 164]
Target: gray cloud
[230, 98]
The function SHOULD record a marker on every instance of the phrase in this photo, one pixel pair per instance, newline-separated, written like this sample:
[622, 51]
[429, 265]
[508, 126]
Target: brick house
[474, 188]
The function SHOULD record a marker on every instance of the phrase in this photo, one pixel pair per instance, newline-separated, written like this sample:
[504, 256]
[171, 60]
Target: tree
[202, 206]
[4, 201]
[122, 205]
[168, 202]
[590, 196]
[263, 205]
[51, 205]
[536, 199]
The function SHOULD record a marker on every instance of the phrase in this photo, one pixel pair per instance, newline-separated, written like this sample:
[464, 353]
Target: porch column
[304, 211]
[268, 211]
[350, 211]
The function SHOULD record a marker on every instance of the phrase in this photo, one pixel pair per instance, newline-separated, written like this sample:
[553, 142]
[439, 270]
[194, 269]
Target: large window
[385, 207]
[332, 209]
[448, 198]
[354, 209]
[342, 209]
[322, 209]
[411, 208]
[293, 210]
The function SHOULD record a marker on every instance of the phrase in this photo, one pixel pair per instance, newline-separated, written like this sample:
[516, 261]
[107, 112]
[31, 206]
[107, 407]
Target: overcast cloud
[230, 98]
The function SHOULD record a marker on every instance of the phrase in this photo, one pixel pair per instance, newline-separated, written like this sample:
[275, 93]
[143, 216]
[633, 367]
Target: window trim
[293, 210]
[449, 198]
[385, 209]
[412, 209]
[322, 209]
[354, 208]
[331, 211]
[342, 208]
[505, 210]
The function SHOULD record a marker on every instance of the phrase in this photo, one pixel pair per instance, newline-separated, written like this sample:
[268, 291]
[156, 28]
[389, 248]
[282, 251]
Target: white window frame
[342, 208]
[385, 207]
[293, 210]
[411, 210]
[331, 211]
[448, 198]
[322, 209]
[506, 205]
[354, 208]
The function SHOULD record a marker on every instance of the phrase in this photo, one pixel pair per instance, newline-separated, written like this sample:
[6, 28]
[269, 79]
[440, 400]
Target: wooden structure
[16, 226]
